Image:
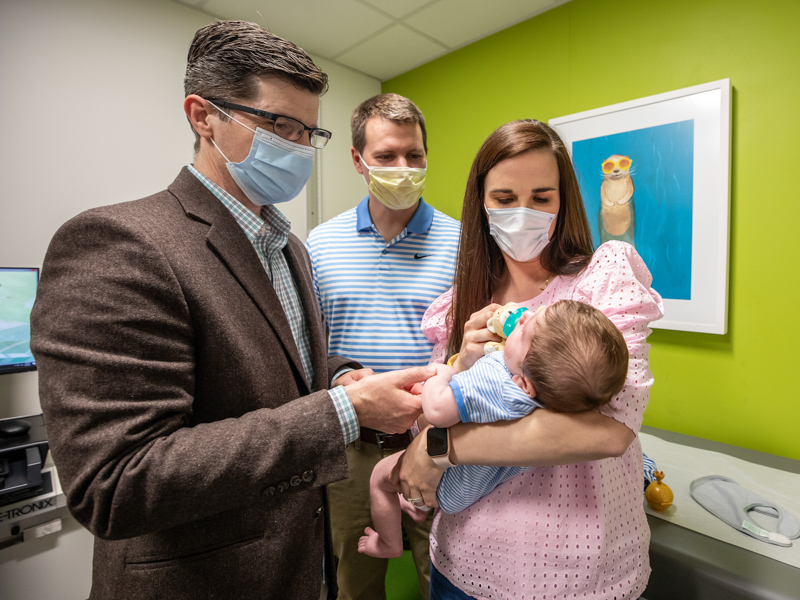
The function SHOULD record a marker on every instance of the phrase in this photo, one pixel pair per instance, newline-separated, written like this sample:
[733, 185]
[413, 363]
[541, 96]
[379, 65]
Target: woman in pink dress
[572, 526]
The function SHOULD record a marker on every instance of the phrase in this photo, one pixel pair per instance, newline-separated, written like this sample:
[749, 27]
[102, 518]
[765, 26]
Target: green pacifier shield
[512, 321]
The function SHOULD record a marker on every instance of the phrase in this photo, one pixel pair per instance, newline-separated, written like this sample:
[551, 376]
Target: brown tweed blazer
[186, 437]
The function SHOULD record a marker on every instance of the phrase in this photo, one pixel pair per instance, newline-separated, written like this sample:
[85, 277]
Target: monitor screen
[17, 293]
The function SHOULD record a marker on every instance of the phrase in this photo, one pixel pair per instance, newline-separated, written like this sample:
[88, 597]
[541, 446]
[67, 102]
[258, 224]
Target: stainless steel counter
[688, 565]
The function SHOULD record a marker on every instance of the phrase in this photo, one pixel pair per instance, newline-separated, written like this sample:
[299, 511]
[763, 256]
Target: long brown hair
[480, 262]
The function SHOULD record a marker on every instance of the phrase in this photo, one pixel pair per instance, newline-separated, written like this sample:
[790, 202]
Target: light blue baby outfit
[484, 393]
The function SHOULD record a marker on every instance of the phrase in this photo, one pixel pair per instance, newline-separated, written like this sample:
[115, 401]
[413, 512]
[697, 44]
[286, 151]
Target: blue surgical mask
[276, 169]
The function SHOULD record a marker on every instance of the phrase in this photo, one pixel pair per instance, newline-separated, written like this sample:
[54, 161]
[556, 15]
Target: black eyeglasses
[286, 127]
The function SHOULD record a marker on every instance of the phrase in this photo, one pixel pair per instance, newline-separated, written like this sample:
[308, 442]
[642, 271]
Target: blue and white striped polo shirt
[373, 293]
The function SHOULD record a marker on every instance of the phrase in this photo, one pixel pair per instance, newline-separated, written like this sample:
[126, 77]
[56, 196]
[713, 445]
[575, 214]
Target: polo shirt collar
[419, 223]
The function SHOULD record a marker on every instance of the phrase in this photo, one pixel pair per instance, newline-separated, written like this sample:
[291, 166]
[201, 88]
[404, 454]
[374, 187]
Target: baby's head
[568, 355]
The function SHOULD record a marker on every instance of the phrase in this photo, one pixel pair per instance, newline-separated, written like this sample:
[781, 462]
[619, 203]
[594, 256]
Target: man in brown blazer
[194, 414]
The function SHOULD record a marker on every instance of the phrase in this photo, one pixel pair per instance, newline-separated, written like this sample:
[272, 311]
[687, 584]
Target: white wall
[341, 187]
[92, 114]
[91, 94]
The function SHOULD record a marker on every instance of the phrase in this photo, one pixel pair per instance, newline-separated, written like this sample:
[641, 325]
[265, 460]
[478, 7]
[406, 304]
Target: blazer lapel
[233, 248]
[300, 267]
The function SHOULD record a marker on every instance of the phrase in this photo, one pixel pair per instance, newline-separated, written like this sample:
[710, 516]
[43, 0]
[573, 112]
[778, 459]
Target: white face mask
[396, 188]
[522, 233]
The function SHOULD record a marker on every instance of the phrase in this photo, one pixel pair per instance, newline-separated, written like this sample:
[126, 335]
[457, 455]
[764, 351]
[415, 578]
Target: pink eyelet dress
[571, 531]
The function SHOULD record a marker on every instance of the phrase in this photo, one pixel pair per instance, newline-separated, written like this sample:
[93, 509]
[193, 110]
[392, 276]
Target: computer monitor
[17, 293]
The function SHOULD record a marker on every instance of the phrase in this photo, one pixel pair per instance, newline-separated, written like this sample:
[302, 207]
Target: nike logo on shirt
[417, 256]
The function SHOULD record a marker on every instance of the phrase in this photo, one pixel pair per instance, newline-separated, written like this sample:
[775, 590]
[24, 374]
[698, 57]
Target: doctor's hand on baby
[388, 402]
[352, 376]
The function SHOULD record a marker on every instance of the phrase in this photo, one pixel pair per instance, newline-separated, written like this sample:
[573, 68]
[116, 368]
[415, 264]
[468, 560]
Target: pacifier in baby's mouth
[512, 320]
[502, 323]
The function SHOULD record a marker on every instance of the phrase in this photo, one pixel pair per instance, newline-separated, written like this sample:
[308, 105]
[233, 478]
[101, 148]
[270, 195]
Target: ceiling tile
[399, 9]
[320, 27]
[456, 23]
[394, 51]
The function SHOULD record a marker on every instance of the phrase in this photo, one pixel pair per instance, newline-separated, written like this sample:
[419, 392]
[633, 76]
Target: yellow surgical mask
[396, 188]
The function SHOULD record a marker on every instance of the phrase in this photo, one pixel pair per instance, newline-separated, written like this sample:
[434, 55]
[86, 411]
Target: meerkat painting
[617, 212]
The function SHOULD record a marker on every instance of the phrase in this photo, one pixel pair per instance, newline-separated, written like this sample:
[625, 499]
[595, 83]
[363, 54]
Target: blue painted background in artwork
[662, 173]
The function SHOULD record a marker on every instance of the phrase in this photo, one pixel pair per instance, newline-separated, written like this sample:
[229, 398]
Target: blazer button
[308, 476]
[283, 486]
[270, 491]
[295, 480]
[318, 512]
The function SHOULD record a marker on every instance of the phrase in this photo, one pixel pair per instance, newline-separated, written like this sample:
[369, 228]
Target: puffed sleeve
[434, 325]
[618, 283]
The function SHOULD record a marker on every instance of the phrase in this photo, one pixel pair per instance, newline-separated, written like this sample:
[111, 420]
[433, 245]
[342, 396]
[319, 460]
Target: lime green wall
[737, 388]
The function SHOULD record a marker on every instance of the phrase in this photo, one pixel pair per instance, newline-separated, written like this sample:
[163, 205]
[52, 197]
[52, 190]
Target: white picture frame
[696, 291]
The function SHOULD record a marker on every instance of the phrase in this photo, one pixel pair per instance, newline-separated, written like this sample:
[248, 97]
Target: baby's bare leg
[386, 540]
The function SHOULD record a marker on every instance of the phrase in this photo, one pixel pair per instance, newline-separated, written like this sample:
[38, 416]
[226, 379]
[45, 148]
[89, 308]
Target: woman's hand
[476, 334]
[415, 475]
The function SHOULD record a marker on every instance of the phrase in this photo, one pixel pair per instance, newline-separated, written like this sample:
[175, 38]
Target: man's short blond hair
[392, 107]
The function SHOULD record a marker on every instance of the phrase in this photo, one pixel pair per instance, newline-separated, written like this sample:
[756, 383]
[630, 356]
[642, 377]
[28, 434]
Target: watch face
[437, 441]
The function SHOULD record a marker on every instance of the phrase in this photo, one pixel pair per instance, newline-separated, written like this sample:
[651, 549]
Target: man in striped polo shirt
[377, 267]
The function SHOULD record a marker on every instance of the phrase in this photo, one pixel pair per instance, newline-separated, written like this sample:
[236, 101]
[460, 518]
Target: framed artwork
[655, 173]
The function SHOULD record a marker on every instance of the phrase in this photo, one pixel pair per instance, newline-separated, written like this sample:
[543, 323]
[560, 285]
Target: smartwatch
[439, 446]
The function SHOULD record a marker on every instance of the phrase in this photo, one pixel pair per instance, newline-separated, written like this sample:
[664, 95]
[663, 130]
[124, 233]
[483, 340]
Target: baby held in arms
[566, 357]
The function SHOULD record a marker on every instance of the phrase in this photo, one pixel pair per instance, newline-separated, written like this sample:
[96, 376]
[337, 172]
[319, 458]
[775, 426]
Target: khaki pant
[361, 577]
